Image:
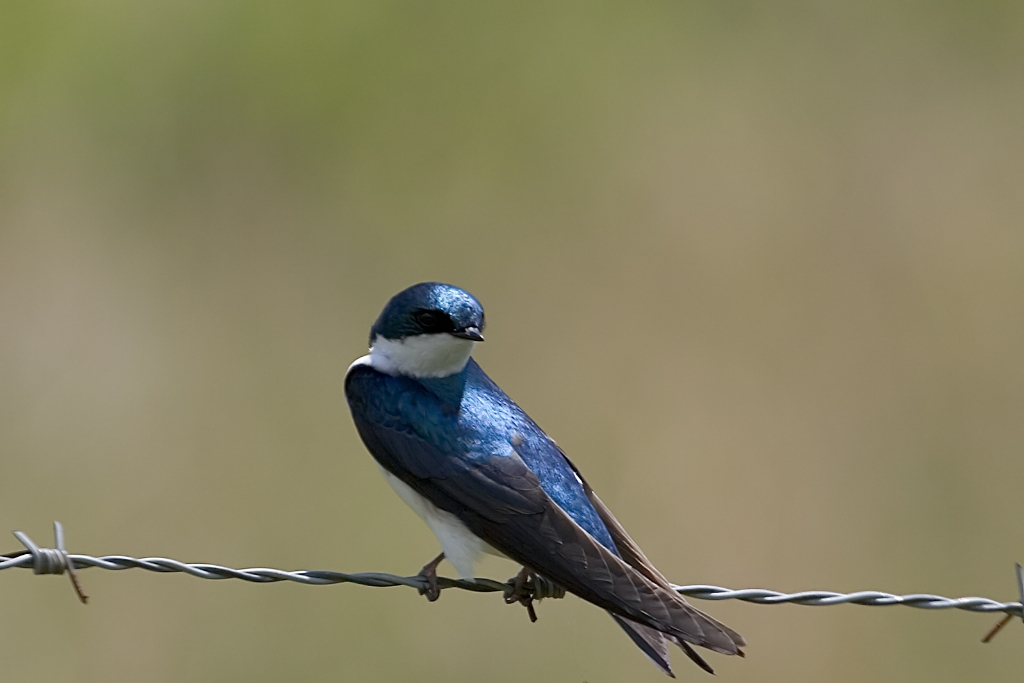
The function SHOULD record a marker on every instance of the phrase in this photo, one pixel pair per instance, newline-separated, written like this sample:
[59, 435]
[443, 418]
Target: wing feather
[500, 499]
[720, 637]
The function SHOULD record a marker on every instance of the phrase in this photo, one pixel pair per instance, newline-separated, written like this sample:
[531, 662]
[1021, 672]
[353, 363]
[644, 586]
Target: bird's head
[427, 330]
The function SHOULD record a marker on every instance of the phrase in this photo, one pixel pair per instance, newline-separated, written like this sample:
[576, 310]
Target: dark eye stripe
[433, 321]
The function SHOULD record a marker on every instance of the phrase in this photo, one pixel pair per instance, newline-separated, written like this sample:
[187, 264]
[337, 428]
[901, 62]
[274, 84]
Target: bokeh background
[759, 268]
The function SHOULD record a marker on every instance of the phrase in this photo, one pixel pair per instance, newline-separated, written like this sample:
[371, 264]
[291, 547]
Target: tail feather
[651, 642]
[737, 640]
[654, 644]
[692, 654]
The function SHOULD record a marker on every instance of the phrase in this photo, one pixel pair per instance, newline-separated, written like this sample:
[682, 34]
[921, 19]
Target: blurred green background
[759, 268]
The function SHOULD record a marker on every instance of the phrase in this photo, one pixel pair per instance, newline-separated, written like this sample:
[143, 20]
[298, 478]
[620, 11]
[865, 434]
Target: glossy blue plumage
[467, 418]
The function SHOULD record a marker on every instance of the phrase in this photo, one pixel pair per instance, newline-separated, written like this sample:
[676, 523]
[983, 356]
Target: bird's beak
[470, 333]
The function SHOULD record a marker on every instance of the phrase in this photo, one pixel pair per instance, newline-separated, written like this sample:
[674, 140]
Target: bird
[487, 479]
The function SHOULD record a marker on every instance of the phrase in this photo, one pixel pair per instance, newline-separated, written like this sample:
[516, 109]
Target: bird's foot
[429, 572]
[522, 592]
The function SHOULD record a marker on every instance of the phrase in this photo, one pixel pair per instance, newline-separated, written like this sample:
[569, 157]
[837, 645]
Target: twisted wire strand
[762, 596]
[316, 577]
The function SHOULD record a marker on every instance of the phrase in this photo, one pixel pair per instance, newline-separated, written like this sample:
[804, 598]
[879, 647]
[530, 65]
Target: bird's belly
[461, 546]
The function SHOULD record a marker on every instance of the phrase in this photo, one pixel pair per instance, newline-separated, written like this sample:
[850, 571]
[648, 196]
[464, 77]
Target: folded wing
[500, 499]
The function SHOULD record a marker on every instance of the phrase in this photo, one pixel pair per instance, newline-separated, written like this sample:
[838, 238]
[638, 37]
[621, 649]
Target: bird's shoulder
[468, 405]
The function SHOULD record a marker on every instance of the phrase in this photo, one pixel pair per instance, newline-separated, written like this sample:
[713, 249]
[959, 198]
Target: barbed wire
[58, 560]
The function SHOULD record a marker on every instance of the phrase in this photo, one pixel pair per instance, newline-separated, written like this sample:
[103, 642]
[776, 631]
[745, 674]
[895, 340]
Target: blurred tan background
[760, 270]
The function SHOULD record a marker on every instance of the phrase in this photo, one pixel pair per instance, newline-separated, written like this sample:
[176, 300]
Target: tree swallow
[486, 479]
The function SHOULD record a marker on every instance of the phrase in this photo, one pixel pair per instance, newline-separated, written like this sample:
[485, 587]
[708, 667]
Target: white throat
[424, 355]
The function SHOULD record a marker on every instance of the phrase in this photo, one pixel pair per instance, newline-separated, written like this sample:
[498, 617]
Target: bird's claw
[429, 572]
[522, 592]
[432, 591]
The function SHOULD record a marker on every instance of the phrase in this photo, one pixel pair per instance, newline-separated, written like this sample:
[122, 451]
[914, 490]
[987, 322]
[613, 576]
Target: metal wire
[49, 561]
[762, 596]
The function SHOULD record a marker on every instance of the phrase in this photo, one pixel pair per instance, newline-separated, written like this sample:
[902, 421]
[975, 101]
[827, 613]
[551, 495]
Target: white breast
[461, 546]
[436, 355]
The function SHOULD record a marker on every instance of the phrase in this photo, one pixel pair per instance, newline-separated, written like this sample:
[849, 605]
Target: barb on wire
[55, 561]
[48, 560]
[1005, 620]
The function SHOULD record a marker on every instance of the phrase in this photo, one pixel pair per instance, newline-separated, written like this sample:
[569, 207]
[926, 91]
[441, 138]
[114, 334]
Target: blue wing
[462, 444]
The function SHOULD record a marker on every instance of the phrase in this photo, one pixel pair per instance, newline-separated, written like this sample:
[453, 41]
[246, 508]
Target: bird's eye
[428, 320]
